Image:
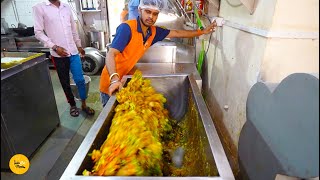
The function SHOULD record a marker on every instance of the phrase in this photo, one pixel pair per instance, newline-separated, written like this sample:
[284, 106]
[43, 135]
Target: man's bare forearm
[110, 63]
[183, 33]
[192, 33]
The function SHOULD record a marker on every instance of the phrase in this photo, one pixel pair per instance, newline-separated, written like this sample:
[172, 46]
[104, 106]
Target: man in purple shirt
[55, 28]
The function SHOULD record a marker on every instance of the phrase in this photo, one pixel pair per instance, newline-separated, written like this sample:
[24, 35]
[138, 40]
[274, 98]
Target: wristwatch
[55, 48]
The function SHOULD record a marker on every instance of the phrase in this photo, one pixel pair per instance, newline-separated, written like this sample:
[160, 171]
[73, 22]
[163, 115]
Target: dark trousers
[63, 66]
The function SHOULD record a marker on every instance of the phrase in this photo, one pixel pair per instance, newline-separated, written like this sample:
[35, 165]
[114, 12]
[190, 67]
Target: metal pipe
[183, 11]
[100, 55]
[14, 6]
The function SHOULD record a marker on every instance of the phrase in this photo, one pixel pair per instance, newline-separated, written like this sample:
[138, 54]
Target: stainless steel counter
[169, 69]
[28, 107]
[168, 51]
[28, 59]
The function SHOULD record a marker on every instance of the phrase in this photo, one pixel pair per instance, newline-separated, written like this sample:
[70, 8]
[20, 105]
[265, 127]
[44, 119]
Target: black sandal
[74, 111]
[88, 110]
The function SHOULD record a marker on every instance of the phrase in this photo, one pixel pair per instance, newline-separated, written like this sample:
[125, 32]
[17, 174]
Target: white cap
[151, 4]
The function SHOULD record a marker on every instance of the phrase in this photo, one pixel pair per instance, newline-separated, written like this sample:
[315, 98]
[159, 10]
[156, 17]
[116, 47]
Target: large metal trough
[185, 103]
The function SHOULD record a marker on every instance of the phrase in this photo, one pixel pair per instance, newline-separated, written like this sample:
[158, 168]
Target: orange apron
[131, 54]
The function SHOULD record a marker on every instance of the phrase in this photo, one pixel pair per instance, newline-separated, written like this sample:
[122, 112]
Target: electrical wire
[14, 6]
[183, 11]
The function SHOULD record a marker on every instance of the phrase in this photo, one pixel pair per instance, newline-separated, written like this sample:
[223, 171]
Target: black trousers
[62, 65]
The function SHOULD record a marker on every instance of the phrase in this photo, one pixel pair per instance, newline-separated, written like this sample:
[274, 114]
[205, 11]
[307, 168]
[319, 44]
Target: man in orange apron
[132, 39]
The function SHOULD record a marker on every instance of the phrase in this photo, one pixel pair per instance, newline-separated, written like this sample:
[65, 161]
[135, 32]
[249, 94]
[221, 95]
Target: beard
[147, 24]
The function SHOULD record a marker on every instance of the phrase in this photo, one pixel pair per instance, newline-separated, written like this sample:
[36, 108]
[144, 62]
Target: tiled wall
[24, 11]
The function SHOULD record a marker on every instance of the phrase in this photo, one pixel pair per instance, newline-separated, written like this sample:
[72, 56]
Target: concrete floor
[51, 159]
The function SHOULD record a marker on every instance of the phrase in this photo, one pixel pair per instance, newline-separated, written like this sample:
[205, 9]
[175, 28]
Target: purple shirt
[55, 26]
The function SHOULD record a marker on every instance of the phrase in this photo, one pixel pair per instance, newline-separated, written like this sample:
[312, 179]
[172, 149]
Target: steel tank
[29, 112]
[185, 104]
[97, 39]
[93, 61]
[74, 87]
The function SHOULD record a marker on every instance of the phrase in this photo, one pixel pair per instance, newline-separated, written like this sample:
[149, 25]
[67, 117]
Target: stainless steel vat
[185, 103]
[97, 39]
[28, 107]
[74, 87]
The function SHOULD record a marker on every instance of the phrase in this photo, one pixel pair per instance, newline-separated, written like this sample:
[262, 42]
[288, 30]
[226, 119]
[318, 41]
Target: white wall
[24, 9]
[290, 55]
[261, 18]
[287, 56]
[237, 59]
[232, 66]
[296, 15]
[114, 10]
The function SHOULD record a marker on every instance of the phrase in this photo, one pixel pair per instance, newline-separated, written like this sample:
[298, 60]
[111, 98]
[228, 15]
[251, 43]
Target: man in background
[54, 26]
[124, 14]
[133, 9]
